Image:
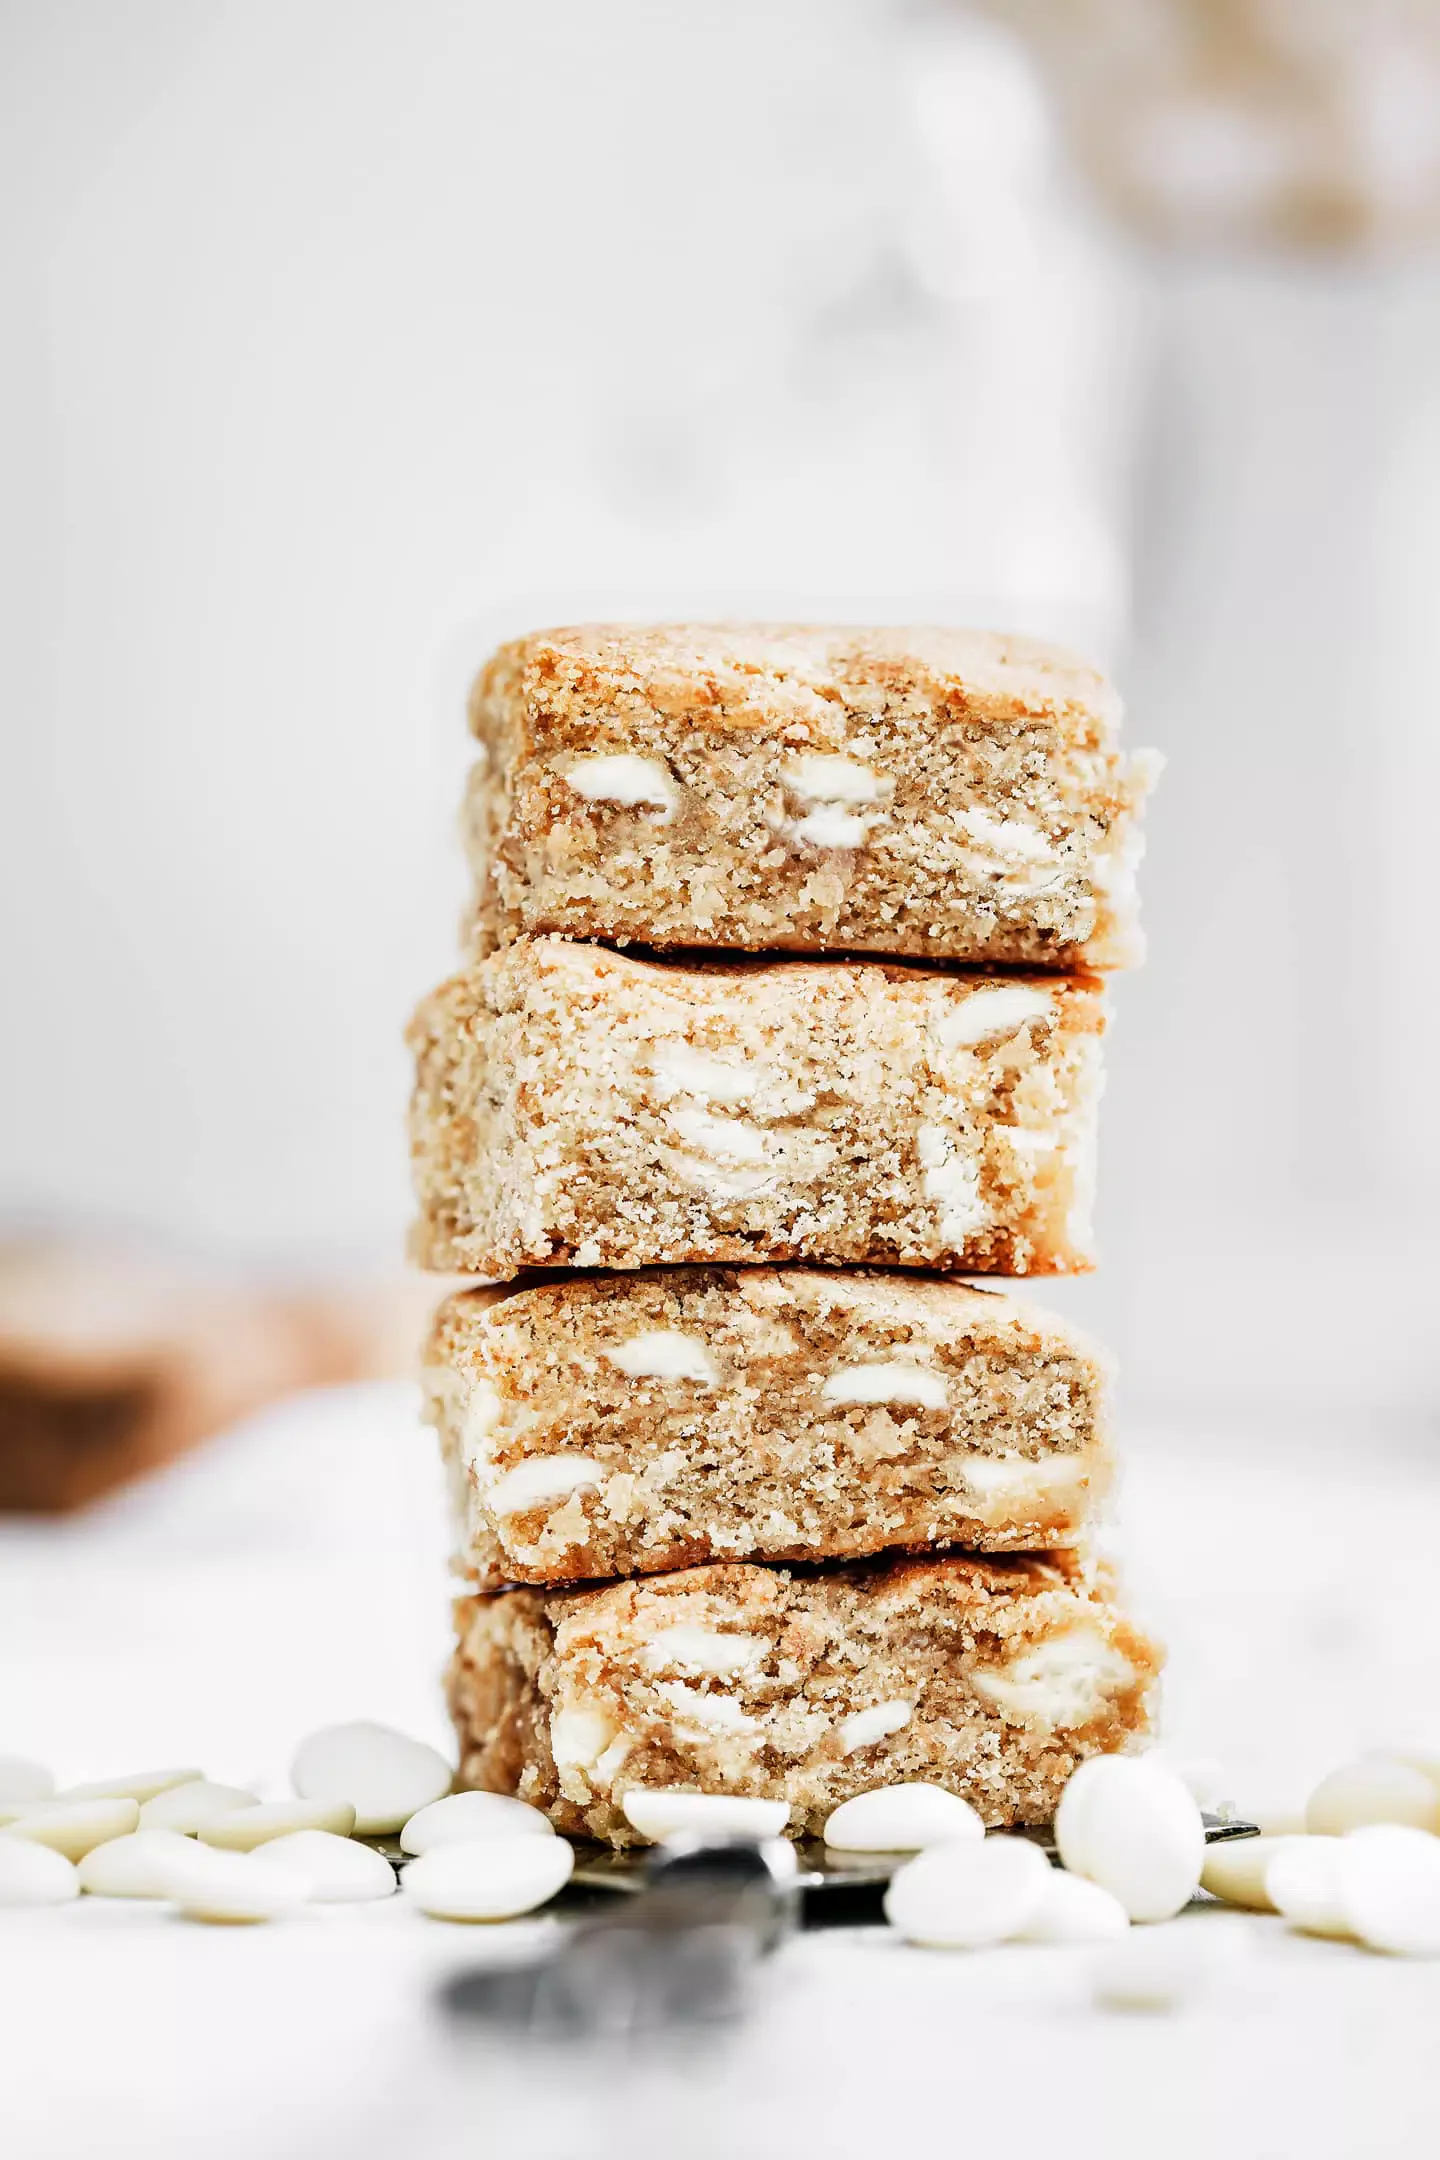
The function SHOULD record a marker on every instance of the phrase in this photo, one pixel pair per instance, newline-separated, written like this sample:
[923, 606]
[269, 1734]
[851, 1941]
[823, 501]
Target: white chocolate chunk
[664, 1811]
[1373, 1789]
[32, 1874]
[76, 1827]
[488, 1879]
[1014, 837]
[728, 1140]
[337, 1870]
[141, 1785]
[479, 1418]
[822, 779]
[889, 1381]
[987, 1015]
[383, 1774]
[624, 778]
[133, 1866]
[1066, 1679]
[464, 1816]
[579, 1735]
[1132, 1826]
[712, 1713]
[831, 827]
[682, 1070]
[541, 1479]
[1387, 1881]
[1301, 1881]
[964, 1896]
[187, 1808]
[1074, 1910]
[231, 1886]
[952, 1183]
[665, 1354]
[901, 1818]
[691, 1649]
[1014, 1477]
[1237, 1871]
[253, 1826]
[22, 1783]
[864, 1727]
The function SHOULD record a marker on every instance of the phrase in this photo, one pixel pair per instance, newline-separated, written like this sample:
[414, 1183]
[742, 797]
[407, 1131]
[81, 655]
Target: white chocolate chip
[1074, 1910]
[1066, 1679]
[579, 1735]
[731, 1140]
[141, 1785]
[890, 1381]
[626, 779]
[231, 1886]
[1387, 1880]
[337, 1870]
[1013, 837]
[252, 1826]
[1301, 1882]
[901, 1818]
[831, 827]
[133, 1866]
[952, 1183]
[187, 1808]
[465, 1816]
[33, 1874]
[1237, 1871]
[987, 1015]
[690, 1649]
[665, 1354]
[1131, 1826]
[23, 1782]
[682, 1070]
[659, 1812]
[541, 1479]
[822, 779]
[488, 1878]
[1373, 1789]
[383, 1774]
[964, 1896]
[76, 1827]
[711, 1713]
[864, 1727]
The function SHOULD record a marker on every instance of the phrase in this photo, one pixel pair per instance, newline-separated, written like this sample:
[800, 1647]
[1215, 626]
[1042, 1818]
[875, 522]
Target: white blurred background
[342, 339]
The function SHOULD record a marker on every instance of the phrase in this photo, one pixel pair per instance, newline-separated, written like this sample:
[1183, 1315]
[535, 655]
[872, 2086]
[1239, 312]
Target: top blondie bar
[952, 794]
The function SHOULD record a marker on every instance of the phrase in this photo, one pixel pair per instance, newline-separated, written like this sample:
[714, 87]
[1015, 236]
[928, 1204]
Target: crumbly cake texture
[628, 1424]
[991, 1677]
[947, 794]
[580, 1107]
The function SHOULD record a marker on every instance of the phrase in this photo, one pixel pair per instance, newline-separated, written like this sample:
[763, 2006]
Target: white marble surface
[293, 1573]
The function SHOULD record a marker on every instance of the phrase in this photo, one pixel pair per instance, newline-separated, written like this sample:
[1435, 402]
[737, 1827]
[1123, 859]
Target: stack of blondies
[783, 1015]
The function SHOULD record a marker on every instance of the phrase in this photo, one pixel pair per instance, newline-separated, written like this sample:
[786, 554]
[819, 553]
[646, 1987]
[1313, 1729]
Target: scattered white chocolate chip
[76, 1827]
[187, 1808]
[986, 1015]
[1372, 1789]
[1162, 1968]
[683, 1070]
[963, 1896]
[1387, 1882]
[624, 778]
[864, 1727]
[541, 1479]
[464, 1816]
[830, 826]
[23, 1783]
[1065, 1679]
[691, 1649]
[208, 1884]
[1301, 1882]
[251, 1826]
[1132, 1826]
[818, 778]
[1237, 1871]
[892, 1381]
[1074, 1910]
[32, 1874]
[662, 1812]
[140, 1785]
[665, 1354]
[133, 1866]
[385, 1776]
[488, 1878]
[338, 1870]
[951, 1182]
[902, 1818]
